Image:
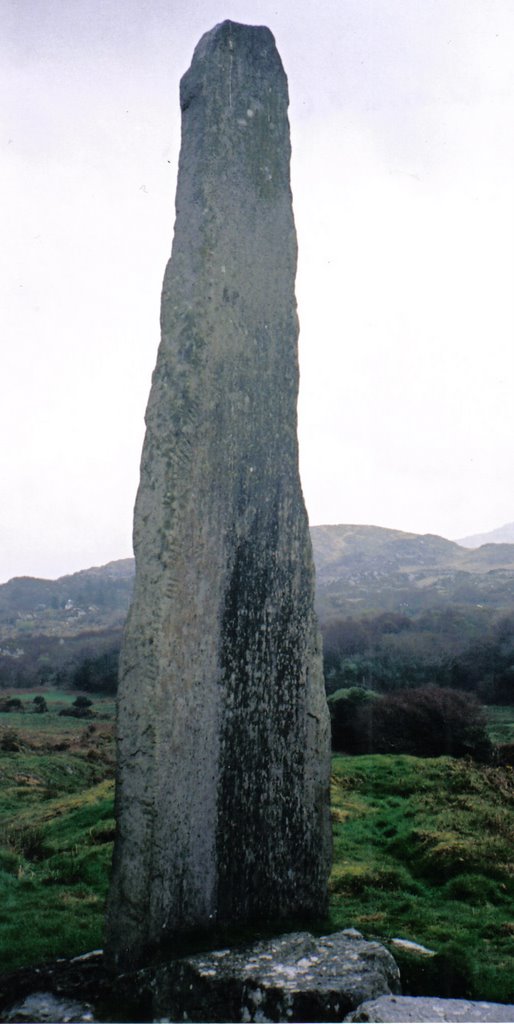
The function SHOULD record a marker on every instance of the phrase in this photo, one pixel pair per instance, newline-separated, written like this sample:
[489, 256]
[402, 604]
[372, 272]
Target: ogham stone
[223, 730]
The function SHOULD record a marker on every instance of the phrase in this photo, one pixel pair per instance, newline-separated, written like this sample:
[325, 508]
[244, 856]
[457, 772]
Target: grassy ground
[56, 810]
[423, 850]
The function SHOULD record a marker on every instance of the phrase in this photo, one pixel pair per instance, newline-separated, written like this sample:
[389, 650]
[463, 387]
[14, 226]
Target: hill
[395, 608]
[65, 631]
[93, 598]
[362, 569]
[358, 569]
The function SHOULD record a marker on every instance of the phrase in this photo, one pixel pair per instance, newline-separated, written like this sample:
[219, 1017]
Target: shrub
[81, 708]
[426, 722]
[82, 702]
[350, 730]
[10, 741]
[12, 704]
[40, 705]
[77, 712]
[505, 754]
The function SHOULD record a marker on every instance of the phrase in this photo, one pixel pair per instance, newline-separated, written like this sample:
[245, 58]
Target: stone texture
[223, 730]
[292, 978]
[403, 1009]
[44, 1006]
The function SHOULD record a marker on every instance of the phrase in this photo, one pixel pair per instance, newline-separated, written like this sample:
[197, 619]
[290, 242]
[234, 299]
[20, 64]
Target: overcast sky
[402, 122]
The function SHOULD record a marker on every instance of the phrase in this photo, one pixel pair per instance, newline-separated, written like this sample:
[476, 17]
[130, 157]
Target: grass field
[423, 850]
[56, 809]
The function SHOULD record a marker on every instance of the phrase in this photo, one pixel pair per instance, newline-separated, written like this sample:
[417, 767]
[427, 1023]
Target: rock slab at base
[404, 1009]
[292, 978]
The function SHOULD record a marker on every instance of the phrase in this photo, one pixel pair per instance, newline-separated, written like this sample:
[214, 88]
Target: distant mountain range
[502, 535]
[360, 569]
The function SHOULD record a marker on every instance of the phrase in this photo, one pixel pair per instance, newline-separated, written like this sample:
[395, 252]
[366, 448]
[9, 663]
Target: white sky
[402, 121]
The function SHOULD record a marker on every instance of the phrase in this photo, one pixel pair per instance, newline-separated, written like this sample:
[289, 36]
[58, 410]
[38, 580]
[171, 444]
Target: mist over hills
[502, 535]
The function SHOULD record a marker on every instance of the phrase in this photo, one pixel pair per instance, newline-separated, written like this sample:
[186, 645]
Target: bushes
[426, 722]
[11, 704]
[352, 718]
[81, 708]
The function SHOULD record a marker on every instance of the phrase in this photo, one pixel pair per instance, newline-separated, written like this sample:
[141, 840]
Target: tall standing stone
[223, 733]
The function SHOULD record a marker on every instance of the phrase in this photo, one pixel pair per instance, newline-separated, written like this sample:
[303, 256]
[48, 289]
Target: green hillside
[422, 851]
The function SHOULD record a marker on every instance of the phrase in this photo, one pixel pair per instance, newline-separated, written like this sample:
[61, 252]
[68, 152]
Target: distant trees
[86, 660]
[463, 649]
[98, 674]
[427, 722]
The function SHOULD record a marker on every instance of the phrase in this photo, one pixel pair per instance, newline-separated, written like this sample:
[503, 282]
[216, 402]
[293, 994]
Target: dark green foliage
[11, 704]
[40, 705]
[81, 708]
[429, 722]
[426, 722]
[98, 674]
[351, 729]
[466, 649]
[9, 740]
[87, 660]
[82, 702]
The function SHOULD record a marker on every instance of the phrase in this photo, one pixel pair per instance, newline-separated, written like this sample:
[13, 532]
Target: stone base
[292, 978]
[403, 1009]
[295, 977]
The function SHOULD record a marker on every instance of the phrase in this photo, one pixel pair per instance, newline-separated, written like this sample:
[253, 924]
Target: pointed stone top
[228, 43]
[231, 33]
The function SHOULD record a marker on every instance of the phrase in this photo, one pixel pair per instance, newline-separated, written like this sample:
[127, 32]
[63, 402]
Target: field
[422, 850]
[56, 800]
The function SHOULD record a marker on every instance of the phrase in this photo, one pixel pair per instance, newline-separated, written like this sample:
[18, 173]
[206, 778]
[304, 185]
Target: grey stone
[408, 946]
[223, 733]
[45, 1006]
[423, 1008]
[292, 978]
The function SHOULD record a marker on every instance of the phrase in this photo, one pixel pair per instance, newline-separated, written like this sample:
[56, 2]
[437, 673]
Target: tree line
[464, 649]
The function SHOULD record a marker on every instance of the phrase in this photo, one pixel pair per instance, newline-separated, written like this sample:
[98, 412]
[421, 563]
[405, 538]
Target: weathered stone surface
[223, 731]
[59, 990]
[292, 978]
[44, 1006]
[403, 1009]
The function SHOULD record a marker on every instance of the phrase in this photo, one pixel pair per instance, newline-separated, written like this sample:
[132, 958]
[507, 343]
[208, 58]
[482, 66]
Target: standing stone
[223, 732]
